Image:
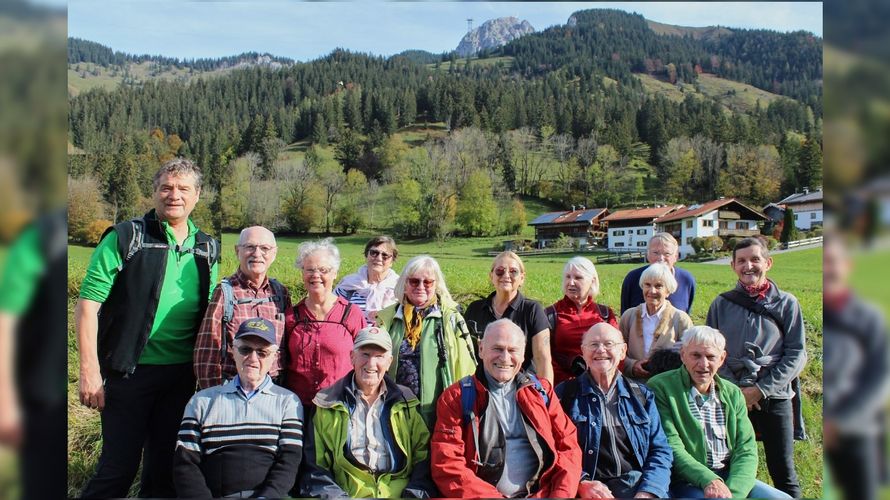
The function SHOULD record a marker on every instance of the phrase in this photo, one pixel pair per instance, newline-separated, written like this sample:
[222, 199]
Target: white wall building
[630, 230]
[725, 218]
[807, 208]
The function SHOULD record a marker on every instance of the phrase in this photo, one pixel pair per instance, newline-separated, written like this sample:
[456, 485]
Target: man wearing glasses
[662, 249]
[245, 438]
[246, 294]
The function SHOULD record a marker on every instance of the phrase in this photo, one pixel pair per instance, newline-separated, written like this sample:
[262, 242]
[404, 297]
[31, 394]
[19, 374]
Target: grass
[507, 61]
[736, 96]
[465, 265]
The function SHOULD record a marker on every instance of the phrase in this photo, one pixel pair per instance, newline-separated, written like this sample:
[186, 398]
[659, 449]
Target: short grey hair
[587, 269]
[177, 167]
[752, 241]
[665, 239]
[704, 335]
[308, 248]
[507, 323]
[660, 272]
[426, 263]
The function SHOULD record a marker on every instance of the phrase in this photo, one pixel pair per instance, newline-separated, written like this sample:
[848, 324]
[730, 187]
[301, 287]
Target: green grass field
[465, 265]
[736, 96]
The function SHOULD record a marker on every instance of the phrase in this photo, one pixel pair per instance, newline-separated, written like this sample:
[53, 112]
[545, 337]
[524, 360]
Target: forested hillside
[569, 120]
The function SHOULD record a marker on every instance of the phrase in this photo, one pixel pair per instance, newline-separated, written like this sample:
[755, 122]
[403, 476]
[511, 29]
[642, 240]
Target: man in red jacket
[511, 438]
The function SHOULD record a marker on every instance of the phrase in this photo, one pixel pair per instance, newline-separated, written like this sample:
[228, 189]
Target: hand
[10, 424]
[594, 489]
[752, 397]
[644, 494]
[638, 371]
[717, 489]
[92, 391]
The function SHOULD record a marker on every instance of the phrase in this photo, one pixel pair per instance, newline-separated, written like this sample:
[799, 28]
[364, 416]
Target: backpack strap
[345, 314]
[278, 294]
[604, 311]
[468, 416]
[540, 388]
[637, 392]
[569, 393]
[743, 300]
[550, 311]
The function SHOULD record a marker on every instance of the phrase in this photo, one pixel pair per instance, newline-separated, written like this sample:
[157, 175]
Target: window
[689, 224]
[724, 224]
[641, 243]
[689, 240]
[741, 225]
[618, 233]
[812, 215]
[619, 244]
[796, 216]
[707, 223]
[641, 231]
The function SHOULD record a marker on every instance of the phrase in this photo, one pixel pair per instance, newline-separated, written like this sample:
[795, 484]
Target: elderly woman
[627, 453]
[431, 345]
[372, 288]
[655, 324]
[319, 330]
[507, 275]
[574, 314]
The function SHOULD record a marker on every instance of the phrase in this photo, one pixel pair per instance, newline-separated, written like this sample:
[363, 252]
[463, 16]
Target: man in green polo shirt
[140, 304]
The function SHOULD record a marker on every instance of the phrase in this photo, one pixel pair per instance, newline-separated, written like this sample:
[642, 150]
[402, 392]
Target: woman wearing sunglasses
[372, 288]
[574, 314]
[507, 275]
[320, 329]
[431, 344]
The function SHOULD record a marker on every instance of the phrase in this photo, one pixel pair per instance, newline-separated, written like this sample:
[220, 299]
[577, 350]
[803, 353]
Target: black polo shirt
[527, 313]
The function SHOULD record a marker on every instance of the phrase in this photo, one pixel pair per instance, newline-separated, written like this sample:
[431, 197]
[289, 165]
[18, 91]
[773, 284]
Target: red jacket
[452, 449]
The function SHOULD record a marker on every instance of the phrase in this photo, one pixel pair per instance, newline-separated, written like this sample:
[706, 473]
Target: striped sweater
[229, 443]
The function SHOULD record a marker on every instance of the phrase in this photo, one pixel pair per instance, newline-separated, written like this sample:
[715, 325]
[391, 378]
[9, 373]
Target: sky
[308, 30]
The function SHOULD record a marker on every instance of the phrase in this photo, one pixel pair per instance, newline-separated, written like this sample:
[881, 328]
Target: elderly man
[856, 383]
[500, 432]
[766, 352]
[706, 423]
[368, 439]
[245, 438]
[627, 454]
[152, 278]
[662, 248]
[247, 293]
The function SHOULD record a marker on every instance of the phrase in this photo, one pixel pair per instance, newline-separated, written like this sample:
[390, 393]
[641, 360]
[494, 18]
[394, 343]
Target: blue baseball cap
[258, 327]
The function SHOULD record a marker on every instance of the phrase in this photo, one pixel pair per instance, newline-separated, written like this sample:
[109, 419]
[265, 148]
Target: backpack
[229, 302]
[285, 339]
[570, 392]
[551, 315]
[207, 249]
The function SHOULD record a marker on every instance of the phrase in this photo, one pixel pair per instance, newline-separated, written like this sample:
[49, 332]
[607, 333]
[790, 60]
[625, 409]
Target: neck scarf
[414, 321]
[759, 291]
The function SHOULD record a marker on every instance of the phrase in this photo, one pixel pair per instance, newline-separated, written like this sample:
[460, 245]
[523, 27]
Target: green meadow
[465, 264]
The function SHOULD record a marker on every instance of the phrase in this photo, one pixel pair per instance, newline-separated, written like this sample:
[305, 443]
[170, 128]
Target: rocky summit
[492, 34]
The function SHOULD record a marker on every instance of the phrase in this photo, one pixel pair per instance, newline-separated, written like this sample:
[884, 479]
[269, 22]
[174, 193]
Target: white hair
[507, 323]
[587, 269]
[419, 263]
[308, 248]
[660, 272]
[666, 239]
[704, 335]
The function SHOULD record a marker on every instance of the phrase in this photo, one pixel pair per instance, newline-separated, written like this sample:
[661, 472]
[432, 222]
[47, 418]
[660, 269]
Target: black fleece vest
[126, 317]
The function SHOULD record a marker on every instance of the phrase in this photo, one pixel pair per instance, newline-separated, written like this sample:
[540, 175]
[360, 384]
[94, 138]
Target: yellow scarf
[414, 322]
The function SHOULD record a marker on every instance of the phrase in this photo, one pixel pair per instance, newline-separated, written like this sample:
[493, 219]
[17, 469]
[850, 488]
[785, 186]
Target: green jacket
[434, 377]
[687, 437]
[330, 473]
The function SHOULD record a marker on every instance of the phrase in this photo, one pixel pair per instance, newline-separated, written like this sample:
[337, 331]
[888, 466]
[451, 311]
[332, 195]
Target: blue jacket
[643, 427]
[632, 294]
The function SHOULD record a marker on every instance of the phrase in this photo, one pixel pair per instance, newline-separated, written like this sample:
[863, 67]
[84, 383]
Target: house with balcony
[629, 230]
[726, 218]
[807, 208]
[584, 225]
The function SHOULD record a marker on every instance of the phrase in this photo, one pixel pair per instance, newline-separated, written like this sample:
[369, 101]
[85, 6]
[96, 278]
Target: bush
[771, 242]
[713, 244]
[817, 231]
[564, 241]
[93, 232]
[731, 243]
[698, 244]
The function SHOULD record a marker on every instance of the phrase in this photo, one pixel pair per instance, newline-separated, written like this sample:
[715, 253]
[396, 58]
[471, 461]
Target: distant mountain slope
[493, 34]
[419, 56]
[697, 33]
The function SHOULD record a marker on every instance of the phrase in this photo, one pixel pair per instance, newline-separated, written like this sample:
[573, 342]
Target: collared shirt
[708, 410]
[237, 381]
[616, 455]
[650, 323]
[520, 463]
[366, 438]
[209, 367]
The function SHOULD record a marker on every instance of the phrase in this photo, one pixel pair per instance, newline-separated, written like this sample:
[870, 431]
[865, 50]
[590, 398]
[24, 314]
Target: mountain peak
[492, 34]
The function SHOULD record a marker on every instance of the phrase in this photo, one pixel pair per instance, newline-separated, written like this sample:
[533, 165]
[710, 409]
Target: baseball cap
[257, 327]
[373, 335]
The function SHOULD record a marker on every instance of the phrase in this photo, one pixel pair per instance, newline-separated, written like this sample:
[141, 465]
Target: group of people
[379, 385]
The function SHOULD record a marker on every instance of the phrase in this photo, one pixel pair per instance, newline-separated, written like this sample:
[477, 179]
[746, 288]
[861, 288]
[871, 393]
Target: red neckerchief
[836, 301]
[759, 291]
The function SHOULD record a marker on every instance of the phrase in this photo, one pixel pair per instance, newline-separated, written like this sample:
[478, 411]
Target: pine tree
[789, 228]
[810, 164]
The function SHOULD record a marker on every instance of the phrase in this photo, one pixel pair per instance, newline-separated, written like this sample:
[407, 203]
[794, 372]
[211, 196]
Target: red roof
[696, 210]
[641, 213]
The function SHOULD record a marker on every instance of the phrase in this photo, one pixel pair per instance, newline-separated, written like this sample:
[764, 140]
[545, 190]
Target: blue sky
[308, 30]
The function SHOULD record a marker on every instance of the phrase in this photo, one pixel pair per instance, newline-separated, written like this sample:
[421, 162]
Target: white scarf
[377, 295]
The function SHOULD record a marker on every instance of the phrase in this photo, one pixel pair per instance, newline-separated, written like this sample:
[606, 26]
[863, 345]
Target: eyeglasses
[264, 249]
[377, 253]
[316, 270]
[500, 271]
[595, 346]
[661, 254]
[415, 282]
[261, 353]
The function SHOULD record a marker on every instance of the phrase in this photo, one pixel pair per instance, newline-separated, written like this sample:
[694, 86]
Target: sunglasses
[261, 353]
[415, 282]
[377, 253]
[500, 271]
